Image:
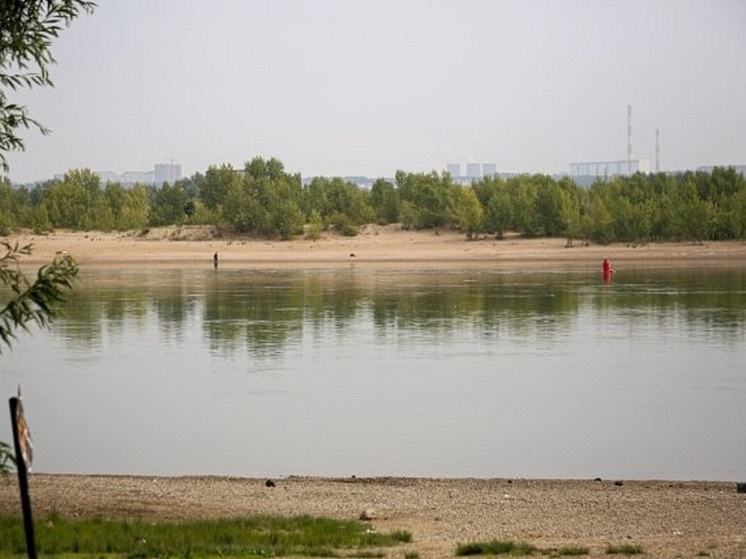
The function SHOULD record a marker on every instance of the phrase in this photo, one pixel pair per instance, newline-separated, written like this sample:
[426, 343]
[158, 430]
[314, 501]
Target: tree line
[263, 199]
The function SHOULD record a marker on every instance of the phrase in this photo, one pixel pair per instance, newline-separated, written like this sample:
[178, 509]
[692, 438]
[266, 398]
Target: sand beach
[374, 245]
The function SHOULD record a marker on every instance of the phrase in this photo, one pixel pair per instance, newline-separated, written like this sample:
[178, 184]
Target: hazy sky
[345, 87]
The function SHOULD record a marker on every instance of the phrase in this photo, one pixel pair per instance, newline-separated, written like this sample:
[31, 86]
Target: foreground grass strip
[495, 547]
[624, 549]
[247, 537]
[573, 551]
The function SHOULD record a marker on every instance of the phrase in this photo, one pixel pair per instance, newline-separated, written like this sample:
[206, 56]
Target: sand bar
[375, 245]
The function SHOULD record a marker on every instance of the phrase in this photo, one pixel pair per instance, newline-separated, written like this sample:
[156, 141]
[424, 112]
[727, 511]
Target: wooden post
[28, 519]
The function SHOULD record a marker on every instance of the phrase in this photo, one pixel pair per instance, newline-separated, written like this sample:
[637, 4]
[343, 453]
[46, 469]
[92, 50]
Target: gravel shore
[666, 519]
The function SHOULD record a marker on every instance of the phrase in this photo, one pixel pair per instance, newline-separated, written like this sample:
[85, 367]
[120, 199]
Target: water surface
[391, 372]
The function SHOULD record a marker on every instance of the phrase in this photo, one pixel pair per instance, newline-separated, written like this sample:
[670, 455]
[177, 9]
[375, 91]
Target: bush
[343, 225]
[624, 549]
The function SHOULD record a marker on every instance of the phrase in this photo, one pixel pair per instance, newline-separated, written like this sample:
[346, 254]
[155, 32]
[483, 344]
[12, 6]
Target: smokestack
[629, 132]
[657, 150]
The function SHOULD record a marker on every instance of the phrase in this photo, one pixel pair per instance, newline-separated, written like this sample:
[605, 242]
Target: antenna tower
[657, 150]
[629, 132]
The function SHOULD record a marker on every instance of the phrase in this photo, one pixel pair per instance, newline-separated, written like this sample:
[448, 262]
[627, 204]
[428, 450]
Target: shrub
[624, 549]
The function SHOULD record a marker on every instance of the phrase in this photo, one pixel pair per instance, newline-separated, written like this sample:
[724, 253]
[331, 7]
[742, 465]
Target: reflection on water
[391, 372]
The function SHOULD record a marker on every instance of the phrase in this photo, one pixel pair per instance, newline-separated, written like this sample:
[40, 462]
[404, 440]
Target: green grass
[497, 547]
[246, 537]
[573, 551]
[624, 549]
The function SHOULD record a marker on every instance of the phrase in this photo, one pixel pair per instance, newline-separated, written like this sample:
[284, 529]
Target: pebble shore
[664, 518]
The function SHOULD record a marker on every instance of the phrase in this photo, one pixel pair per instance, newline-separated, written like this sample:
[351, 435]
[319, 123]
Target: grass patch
[624, 549]
[259, 536]
[573, 551]
[498, 547]
[495, 547]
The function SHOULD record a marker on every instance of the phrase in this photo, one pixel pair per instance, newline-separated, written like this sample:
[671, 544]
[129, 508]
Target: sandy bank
[374, 245]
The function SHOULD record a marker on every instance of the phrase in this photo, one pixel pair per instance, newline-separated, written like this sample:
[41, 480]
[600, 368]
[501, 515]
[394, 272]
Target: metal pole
[28, 519]
[629, 132]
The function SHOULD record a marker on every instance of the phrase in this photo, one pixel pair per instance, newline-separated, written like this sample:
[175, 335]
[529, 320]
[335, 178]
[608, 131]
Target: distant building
[106, 177]
[358, 180]
[133, 177]
[162, 172]
[474, 170]
[608, 169]
[166, 172]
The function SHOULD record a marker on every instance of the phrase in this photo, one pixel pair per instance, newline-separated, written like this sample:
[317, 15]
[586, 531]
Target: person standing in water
[215, 260]
[606, 267]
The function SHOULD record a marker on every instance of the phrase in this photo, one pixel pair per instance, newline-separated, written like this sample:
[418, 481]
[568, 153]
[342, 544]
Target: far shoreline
[375, 246]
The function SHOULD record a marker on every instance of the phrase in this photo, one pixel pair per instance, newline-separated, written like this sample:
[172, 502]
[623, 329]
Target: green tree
[499, 213]
[432, 197]
[350, 200]
[725, 185]
[7, 206]
[190, 208]
[315, 226]
[660, 185]
[316, 198]
[191, 186]
[738, 214]
[128, 207]
[407, 215]
[470, 214]
[571, 210]
[552, 207]
[384, 199]
[22, 207]
[267, 201]
[27, 28]
[135, 209]
[238, 210]
[601, 225]
[168, 205]
[25, 302]
[691, 216]
[115, 196]
[497, 203]
[338, 202]
[524, 195]
[215, 184]
[72, 203]
[32, 302]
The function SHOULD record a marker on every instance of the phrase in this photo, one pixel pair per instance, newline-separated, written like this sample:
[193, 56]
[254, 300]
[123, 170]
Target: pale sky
[366, 87]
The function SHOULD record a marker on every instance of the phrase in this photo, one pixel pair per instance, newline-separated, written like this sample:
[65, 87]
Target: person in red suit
[607, 269]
